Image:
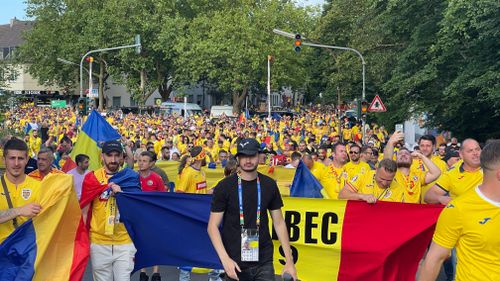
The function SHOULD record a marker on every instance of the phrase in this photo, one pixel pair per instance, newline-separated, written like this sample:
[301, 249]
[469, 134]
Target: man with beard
[244, 243]
[323, 156]
[427, 146]
[375, 186]
[356, 166]
[461, 178]
[111, 249]
[411, 179]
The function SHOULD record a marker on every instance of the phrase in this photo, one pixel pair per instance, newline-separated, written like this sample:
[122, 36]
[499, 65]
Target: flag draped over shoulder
[127, 179]
[330, 239]
[52, 245]
[94, 131]
[305, 184]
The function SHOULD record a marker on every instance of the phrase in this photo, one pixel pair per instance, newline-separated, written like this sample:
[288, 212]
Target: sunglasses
[353, 152]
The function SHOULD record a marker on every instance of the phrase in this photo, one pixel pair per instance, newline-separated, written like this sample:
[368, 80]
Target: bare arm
[433, 173]
[29, 210]
[281, 231]
[348, 193]
[230, 266]
[389, 148]
[436, 195]
[433, 261]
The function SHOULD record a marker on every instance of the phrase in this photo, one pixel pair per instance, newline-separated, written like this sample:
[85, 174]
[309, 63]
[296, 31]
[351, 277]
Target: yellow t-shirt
[366, 184]
[353, 169]
[22, 194]
[191, 181]
[326, 179]
[34, 146]
[98, 222]
[412, 185]
[419, 165]
[457, 181]
[472, 223]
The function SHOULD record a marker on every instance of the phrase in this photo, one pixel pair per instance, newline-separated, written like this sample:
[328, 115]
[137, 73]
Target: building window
[117, 102]
[132, 102]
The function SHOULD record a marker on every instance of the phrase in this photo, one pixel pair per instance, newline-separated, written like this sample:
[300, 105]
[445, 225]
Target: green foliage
[434, 57]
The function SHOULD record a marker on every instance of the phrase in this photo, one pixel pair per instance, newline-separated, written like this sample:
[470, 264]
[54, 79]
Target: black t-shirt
[225, 199]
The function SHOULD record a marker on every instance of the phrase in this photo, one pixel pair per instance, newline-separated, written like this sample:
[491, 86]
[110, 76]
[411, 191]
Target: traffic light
[364, 106]
[89, 59]
[297, 45]
[82, 106]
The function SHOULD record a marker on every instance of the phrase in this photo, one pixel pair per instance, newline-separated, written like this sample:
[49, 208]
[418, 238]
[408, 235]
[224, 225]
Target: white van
[218, 110]
[177, 108]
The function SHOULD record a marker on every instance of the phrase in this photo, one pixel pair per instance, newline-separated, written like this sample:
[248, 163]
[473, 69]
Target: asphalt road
[169, 273]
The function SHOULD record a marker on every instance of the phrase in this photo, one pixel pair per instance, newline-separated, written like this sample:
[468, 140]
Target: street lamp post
[137, 45]
[292, 36]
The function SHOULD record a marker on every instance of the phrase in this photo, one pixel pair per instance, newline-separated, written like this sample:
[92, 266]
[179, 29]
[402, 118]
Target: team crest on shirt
[149, 182]
[105, 195]
[354, 178]
[26, 193]
[415, 178]
[388, 194]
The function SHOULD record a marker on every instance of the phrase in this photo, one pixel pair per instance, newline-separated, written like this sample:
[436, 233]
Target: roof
[11, 33]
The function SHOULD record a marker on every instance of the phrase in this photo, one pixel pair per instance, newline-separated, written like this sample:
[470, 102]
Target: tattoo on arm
[7, 215]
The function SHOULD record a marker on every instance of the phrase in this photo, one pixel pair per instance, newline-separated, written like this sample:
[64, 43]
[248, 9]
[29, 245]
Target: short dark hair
[295, 155]
[389, 165]
[365, 148]
[355, 145]
[335, 145]
[149, 154]
[66, 139]
[429, 138]
[15, 144]
[80, 158]
[490, 155]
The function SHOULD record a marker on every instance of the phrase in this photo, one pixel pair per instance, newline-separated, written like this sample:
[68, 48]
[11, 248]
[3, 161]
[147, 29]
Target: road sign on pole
[377, 105]
[94, 94]
[58, 104]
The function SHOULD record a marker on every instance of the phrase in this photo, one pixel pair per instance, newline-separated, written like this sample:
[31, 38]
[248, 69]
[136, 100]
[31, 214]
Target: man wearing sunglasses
[356, 166]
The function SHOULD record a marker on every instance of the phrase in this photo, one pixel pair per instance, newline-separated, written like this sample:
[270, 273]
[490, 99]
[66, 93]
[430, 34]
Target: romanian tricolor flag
[305, 185]
[330, 239]
[54, 244]
[95, 131]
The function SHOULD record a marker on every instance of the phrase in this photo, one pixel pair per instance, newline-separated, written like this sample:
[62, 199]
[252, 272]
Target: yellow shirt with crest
[471, 223]
[20, 195]
[366, 184]
[458, 181]
[99, 217]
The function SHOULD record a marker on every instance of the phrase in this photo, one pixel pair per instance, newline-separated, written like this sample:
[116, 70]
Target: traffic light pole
[137, 45]
[291, 35]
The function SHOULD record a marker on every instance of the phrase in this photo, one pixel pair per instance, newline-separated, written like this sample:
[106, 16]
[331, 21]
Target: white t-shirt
[77, 181]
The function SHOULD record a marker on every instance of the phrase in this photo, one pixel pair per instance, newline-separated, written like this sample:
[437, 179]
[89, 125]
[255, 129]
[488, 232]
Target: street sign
[377, 105]
[94, 94]
[58, 104]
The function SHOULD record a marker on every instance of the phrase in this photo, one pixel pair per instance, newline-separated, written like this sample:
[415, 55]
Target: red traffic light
[89, 59]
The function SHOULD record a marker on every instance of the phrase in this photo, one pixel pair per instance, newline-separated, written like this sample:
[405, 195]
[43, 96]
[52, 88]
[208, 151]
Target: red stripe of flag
[382, 245]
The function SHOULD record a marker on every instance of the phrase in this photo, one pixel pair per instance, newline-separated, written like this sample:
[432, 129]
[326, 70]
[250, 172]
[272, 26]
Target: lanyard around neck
[240, 201]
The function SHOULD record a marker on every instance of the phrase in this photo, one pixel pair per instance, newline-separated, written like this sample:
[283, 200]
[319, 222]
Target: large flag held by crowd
[330, 239]
[54, 244]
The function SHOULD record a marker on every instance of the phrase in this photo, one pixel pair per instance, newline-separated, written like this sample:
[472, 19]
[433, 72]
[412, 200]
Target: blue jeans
[263, 272]
[185, 275]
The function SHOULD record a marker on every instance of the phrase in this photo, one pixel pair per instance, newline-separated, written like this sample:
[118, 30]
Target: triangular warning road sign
[377, 105]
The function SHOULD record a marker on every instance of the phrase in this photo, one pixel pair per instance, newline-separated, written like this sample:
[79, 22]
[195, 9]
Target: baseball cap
[249, 147]
[450, 154]
[111, 146]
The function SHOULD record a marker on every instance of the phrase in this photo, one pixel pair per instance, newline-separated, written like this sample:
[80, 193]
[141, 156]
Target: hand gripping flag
[52, 245]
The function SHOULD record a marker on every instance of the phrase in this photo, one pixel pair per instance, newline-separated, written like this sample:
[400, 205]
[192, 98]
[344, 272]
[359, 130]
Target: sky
[15, 8]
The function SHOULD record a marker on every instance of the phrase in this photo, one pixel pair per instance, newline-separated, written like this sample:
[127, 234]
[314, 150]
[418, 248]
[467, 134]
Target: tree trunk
[238, 100]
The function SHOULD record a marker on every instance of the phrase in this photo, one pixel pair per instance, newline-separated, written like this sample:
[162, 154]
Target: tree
[229, 46]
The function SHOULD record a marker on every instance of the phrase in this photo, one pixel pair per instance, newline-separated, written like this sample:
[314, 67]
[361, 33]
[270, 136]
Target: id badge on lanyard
[249, 236]
[249, 244]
